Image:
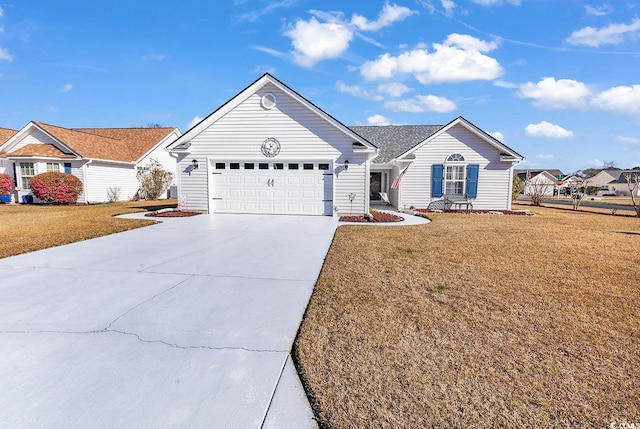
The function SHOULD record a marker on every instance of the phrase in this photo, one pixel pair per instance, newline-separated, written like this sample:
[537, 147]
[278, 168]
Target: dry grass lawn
[25, 228]
[477, 321]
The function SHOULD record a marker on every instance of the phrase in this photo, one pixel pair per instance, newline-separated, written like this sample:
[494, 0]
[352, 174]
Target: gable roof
[110, 144]
[622, 179]
[6, 134]
[394, 140]
[522, 173]
[182, 142]
[400, 141]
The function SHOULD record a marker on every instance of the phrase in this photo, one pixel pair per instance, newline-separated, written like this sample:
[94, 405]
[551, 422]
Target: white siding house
[102, 158]
[457, 160]
[269, 150]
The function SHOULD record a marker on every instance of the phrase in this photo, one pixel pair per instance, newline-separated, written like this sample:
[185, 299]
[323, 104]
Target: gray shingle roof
[394, 140]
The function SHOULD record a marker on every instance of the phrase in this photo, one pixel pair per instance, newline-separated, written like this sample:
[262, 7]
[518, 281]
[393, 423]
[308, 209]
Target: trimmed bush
[56, 188]
[6, 184]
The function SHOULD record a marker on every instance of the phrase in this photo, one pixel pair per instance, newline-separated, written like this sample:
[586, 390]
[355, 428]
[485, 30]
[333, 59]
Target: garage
[271, 187]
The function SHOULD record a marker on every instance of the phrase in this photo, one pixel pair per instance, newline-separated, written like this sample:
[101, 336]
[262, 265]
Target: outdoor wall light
[194, 163]
[346, 165]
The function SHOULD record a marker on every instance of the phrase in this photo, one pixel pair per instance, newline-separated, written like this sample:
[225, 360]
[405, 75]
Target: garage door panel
[279, 191]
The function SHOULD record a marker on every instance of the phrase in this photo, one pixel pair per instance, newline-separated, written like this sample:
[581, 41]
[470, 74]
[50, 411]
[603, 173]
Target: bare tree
[537, 189]
[633, 180]
[578, 191]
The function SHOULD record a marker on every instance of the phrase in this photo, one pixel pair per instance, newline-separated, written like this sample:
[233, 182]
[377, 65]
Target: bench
[457, 200]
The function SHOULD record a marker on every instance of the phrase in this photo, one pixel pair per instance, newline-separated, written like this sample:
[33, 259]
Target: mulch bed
[378, 217]
[172, 214]
[505, 212]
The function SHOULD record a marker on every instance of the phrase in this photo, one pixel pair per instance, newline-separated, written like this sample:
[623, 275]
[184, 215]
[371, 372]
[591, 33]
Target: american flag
[398, 179]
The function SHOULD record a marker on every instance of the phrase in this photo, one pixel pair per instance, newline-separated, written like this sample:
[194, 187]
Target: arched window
[455, 175]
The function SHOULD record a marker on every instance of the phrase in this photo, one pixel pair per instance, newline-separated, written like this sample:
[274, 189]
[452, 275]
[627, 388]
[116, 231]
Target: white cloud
[625, 139]
[357, 91]
[390, 13]
[496, 2]
[326, 35]
[315, 41]
[1, 12]
[422, 103]
[5, 55]
[255, 15]
[598, 10]
[154, 57]
[612, 34]
[269, 51]
[624, 100]
[497, 135]
[459, 59]
[194, 122]
[394, 89]
[557, 94]
[378, 120]
[545, 157]
[547, 129]
[67, 87]
[505, 84]
[448, 6]
[595, 163]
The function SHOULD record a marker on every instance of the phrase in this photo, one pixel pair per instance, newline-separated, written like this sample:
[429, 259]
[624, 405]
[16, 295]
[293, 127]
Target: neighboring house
[620, 186]
[542, 182]
[102, 158]
[270, 150]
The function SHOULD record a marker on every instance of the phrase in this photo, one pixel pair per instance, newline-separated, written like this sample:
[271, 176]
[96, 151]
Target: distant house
[613, 182]
[102, 158]
[270, 150]
[541, 182]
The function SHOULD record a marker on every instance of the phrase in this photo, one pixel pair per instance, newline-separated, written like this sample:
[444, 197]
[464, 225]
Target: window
[67, 167]
[323, 166]
[53, 166]
[220, 165]
[308, 166]
[248, 166]
[454, 177]
[27, 171]
[234, 165]
[293, 166]
[278, 166]
[263, 166]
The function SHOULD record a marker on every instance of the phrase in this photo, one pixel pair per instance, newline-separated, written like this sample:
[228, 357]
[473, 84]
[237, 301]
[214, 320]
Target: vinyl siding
[100, 176]
[493, 180]
[34, 137]
[303, 135]
[161, 155]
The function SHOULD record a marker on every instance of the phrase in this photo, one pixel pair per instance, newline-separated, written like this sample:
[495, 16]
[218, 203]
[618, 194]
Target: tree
[516, 188]
[154, 180]
[633, 180]
[538, 189]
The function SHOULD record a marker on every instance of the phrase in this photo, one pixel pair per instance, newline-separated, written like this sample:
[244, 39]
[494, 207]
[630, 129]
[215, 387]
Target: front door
[378, 183]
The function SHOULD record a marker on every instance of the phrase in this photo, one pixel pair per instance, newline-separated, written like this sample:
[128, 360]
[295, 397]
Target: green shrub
[56, 188]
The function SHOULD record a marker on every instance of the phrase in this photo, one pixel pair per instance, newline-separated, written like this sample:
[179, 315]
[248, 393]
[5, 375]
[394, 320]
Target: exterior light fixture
[194, 163]
[346, 165]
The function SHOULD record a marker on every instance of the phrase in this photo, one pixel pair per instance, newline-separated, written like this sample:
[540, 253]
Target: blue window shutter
[67, 167]
[472, 180]
[437, 171]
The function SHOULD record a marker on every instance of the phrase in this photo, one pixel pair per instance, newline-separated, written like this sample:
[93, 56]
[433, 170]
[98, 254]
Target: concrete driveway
[187, 323]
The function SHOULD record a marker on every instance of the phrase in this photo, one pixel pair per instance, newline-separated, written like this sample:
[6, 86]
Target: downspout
[84, 180]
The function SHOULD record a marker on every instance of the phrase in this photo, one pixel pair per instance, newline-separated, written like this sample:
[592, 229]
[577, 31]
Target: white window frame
[53, 167]
[26, 172]
[455, 175]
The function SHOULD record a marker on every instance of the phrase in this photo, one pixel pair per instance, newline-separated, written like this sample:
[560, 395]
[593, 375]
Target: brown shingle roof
[6, 134]
[116, 144]
[46, 150]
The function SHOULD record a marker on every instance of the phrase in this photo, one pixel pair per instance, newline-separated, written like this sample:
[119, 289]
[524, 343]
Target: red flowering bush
[56, 188]
[6, 184]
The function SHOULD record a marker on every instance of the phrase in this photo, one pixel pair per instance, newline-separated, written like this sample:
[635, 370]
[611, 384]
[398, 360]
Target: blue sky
[556, 80]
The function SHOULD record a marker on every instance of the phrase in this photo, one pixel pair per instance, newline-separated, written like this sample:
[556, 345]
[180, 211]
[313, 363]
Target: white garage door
[289, 187]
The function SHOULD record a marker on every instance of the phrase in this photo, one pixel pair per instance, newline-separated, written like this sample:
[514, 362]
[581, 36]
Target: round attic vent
[268, 101]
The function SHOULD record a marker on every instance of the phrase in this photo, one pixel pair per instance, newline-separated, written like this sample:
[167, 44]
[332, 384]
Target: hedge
[56, 188]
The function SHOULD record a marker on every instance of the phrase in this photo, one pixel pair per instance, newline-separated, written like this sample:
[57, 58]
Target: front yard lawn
[477, 321]
[28, 227]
